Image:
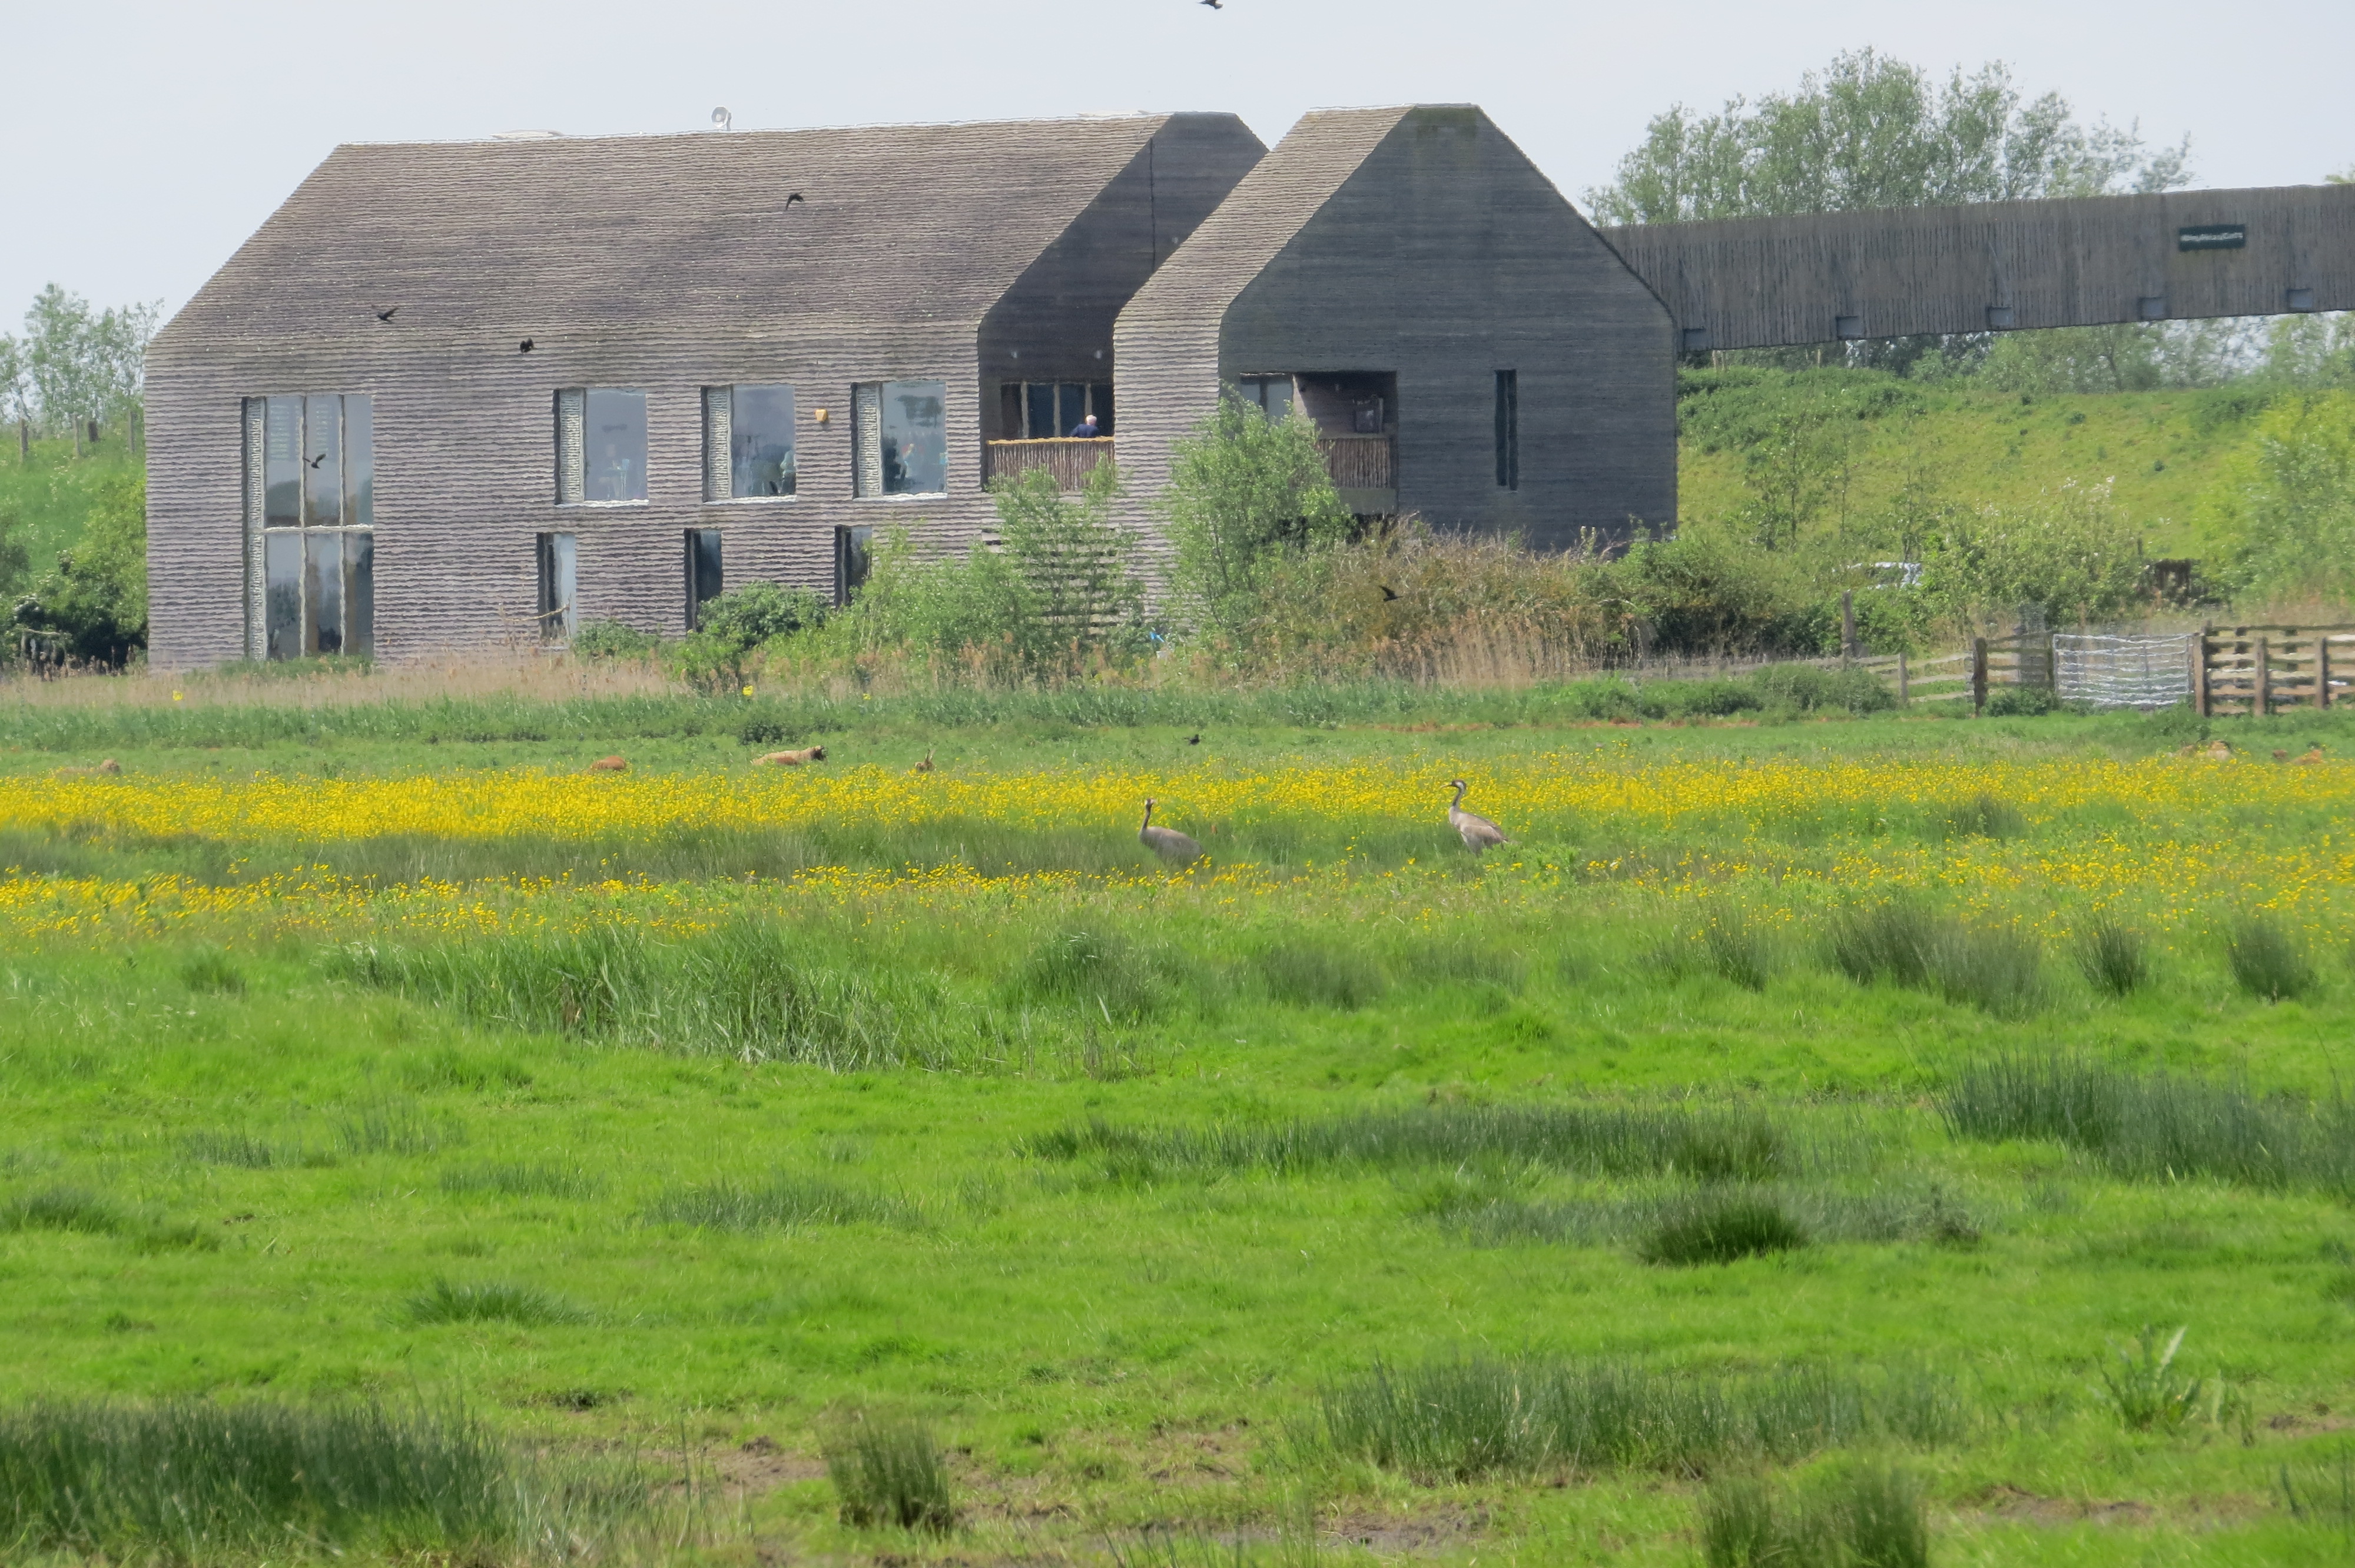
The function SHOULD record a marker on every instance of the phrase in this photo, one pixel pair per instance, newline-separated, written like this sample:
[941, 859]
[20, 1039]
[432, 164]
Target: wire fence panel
[2122, 672]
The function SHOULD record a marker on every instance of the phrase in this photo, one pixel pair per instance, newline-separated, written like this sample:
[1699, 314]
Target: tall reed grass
[2154, 1126]
[890, 1473]
[783, 1202]
[1602, 1140]
[1861, 1515]
[2267, 960]
[1458, 1418]
[1679, 1223]
[190, 1481]
[1997, 969]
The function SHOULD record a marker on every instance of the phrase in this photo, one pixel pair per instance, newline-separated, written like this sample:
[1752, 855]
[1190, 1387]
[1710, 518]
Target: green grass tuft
[2267, 960]
[488, 1303]
[783, 1202]
[211, 969]
[1861, 1515]
[889, 1474]
[1998, 969]
[71, 1209]
[1722, 1228]
[1306, 972]
[1985, 815]
[522, 1181]
[2114, 957]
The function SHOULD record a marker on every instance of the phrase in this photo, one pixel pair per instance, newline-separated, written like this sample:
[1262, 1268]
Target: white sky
[149, 139]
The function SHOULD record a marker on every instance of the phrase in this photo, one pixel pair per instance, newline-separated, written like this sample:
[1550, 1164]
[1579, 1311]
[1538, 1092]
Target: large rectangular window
[312, 551]
[703, 579]
[601, 446]
[902, 438]
[748, 443]
[1052, 409]
[1508, 429]
[559, 579]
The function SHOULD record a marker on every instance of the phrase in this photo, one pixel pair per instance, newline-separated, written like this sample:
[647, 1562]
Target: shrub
[2267, 960]
[1458, 1418]
[1722, 1228]
[96, 598]
[488, 1303]
[1245, 491]
[2114, 957]
[600, 640]
[730, 629]
[888, 1473]
[2021, 702]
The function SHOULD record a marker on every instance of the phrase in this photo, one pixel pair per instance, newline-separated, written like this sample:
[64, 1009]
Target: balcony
[1070, 460]
[1365, 470]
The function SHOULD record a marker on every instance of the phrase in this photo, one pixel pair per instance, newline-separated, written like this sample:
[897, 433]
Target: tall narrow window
[852, 547]
[560, 575]
[748, 443]
[310, 515]
[902, 438]
[601, 446]
[1508, 429]
[703, 579]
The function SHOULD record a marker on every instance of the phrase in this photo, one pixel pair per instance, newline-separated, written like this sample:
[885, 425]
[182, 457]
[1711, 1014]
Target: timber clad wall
[1760, 282]
[664, 263]
[1422, 242]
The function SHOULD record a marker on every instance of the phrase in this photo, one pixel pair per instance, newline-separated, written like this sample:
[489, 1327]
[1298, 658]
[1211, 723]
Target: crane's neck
[1148, 816]
[1457, 803]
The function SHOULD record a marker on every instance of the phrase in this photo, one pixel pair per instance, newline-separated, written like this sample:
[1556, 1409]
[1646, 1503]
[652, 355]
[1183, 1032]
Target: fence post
[1904, 685]
[2200, 670]
[1978, 674]
[2322, 670]
[2263, 704]
[1848, 624]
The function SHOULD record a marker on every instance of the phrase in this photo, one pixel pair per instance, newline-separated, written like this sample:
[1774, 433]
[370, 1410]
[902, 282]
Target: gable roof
[897, 226]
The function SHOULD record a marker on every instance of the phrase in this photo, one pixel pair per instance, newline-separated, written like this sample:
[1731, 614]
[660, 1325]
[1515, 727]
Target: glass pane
[281, 560]
[283, 460]
[761, 440]
[1039, 423]
[1071, 407]
[858, 545]
[359, 461]
[1278, 397]
[558, 554]
[1100, 405]
[324, 583]
[359, 579]
[323, 462]
[617, 445]
[703, 577]
[915, 438]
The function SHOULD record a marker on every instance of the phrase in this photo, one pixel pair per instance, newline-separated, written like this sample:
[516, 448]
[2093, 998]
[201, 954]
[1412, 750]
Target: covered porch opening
[1355, 416]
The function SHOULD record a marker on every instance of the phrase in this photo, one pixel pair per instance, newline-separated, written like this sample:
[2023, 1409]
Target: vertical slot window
[316, 518]
[853, 550]
[615, 432]
[704, 583]
[748, 435]
[559, 614]
[1508, 429]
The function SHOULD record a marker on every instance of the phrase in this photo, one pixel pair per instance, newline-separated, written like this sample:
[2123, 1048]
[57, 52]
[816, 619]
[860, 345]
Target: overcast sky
[148, 139]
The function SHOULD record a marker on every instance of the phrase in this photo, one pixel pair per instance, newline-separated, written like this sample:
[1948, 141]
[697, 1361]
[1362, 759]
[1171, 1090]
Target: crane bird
[1477, 832]
[1168, 843]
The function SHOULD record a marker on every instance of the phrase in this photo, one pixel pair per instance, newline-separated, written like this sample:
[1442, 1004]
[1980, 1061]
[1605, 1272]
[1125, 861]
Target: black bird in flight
[387, 315]
[793, 197]
[524, 348]
[1388, 593]
[1216, 5]
[317, 461]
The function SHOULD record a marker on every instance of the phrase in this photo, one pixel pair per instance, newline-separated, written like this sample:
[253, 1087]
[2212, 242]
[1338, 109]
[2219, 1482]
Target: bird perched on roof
[1477, 832]
[524, 348]
[1168, 843]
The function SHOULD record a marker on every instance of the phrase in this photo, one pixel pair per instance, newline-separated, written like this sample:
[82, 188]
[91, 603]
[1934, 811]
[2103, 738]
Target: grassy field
[1806, 1138]
[44, 502]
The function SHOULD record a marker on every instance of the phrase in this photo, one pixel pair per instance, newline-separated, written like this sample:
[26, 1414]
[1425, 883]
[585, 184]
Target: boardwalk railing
[1070, 460]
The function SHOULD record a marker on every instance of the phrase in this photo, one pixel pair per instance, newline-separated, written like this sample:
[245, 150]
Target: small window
[601, 446]
[1848, 327]
[748, 443]
[852, 550]
[2002, 318]
[1696, 340]
[559, 576]
[1508, 429]
[703, 579]
[1271, 394]
[902, 438]
[2300, 298]
[2151, 307]
[311, 478]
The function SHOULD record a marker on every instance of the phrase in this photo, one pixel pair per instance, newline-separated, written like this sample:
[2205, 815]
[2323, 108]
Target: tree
[1245, 491]
[95, 602]
[1871, 132]
[15, 392]
[2070, 555]
[731, 628]
[82, 365]
[2283, 517]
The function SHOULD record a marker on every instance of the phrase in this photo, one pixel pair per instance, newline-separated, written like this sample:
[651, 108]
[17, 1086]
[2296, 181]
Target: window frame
[284, 558]
[719, 444]
[572, 437]
[556, 557]
[870, 474]
[695, 540]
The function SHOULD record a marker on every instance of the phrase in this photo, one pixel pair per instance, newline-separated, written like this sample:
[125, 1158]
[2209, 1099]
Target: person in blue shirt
[1085, 430]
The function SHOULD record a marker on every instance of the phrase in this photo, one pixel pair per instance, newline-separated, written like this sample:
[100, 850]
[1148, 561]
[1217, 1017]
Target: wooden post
[2261, 705]
[1978, 674]
[2322, 670]
[2200, 670]
[1904, 685]
[1848, 624]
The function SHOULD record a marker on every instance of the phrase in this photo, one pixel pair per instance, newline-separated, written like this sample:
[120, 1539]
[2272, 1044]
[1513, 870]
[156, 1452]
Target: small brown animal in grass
[926, 764]
[2313, 758]
[608, 765]
[109, 765]
[791, 758]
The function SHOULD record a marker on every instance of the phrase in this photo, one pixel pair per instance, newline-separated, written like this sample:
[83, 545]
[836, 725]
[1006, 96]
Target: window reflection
[323, 462]
[283, 463]
[761, 441]
[615, 464]
[915, 438]
[315, 515]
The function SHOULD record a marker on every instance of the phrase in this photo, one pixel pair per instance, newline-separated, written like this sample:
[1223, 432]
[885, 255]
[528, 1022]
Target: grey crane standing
[1477, 832]
[1168, 843]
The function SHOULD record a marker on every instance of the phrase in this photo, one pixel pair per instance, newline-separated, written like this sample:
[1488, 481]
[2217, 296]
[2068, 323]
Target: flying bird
[388, 314]
[1168, 843]
[1477, 832]
[317, 461]
[524, 348]
[1214, 4]
[793, 197]
[1389, 593]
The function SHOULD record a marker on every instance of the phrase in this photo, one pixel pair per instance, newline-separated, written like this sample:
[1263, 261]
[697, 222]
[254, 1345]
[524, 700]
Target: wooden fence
[1359, 463]
[1070, 460]
[2271, 669]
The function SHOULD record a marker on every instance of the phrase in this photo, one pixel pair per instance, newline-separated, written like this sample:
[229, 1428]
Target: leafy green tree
[1246, 494]
[2071, 555]
[84, 365]
[2282, 519]
[1871, 132]
[731, 628]
[15, 398]
[96, 598]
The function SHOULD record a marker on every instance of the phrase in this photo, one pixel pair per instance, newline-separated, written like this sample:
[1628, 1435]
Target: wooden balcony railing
[1361, 463]
[1071, 462]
